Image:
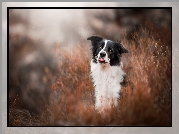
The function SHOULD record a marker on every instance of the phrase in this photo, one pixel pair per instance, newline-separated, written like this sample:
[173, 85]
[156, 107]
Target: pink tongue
[101, 59]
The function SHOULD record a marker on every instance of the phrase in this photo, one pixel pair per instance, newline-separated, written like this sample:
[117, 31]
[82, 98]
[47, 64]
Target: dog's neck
[107, 81]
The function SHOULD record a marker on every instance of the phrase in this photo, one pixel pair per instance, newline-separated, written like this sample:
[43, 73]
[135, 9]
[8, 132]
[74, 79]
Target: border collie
[106, 71]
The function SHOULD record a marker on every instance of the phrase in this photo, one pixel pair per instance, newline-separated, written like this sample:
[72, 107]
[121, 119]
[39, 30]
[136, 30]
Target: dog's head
[106, 51]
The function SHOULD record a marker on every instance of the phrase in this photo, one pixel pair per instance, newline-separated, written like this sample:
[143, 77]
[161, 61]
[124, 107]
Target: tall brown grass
[145, 98]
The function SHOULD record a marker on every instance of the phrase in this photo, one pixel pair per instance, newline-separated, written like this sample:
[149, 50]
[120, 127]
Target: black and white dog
[106, 71]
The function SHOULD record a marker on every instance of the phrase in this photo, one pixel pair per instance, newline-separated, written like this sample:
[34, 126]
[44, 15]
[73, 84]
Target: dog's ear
[95, 39]
[120, 48]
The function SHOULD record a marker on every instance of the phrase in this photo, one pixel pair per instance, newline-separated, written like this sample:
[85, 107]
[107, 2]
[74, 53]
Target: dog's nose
[102, 54]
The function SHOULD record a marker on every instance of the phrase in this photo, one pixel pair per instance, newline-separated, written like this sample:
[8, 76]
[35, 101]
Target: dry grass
[146, 97]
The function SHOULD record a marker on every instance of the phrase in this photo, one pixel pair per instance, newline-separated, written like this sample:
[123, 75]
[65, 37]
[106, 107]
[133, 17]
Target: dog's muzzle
[102, 54]
[102, 57]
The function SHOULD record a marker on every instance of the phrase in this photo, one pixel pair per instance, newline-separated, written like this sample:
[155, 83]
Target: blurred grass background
[50, 84]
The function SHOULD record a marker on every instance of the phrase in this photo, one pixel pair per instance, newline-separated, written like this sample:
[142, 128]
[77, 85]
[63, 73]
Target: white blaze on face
[106, 41]
[106, 57]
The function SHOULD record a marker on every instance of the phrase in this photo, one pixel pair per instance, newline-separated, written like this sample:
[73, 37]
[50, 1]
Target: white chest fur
[107, 81]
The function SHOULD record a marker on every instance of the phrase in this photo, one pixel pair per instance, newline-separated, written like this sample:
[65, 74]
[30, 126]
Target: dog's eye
[110, 50]
[100, 48]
